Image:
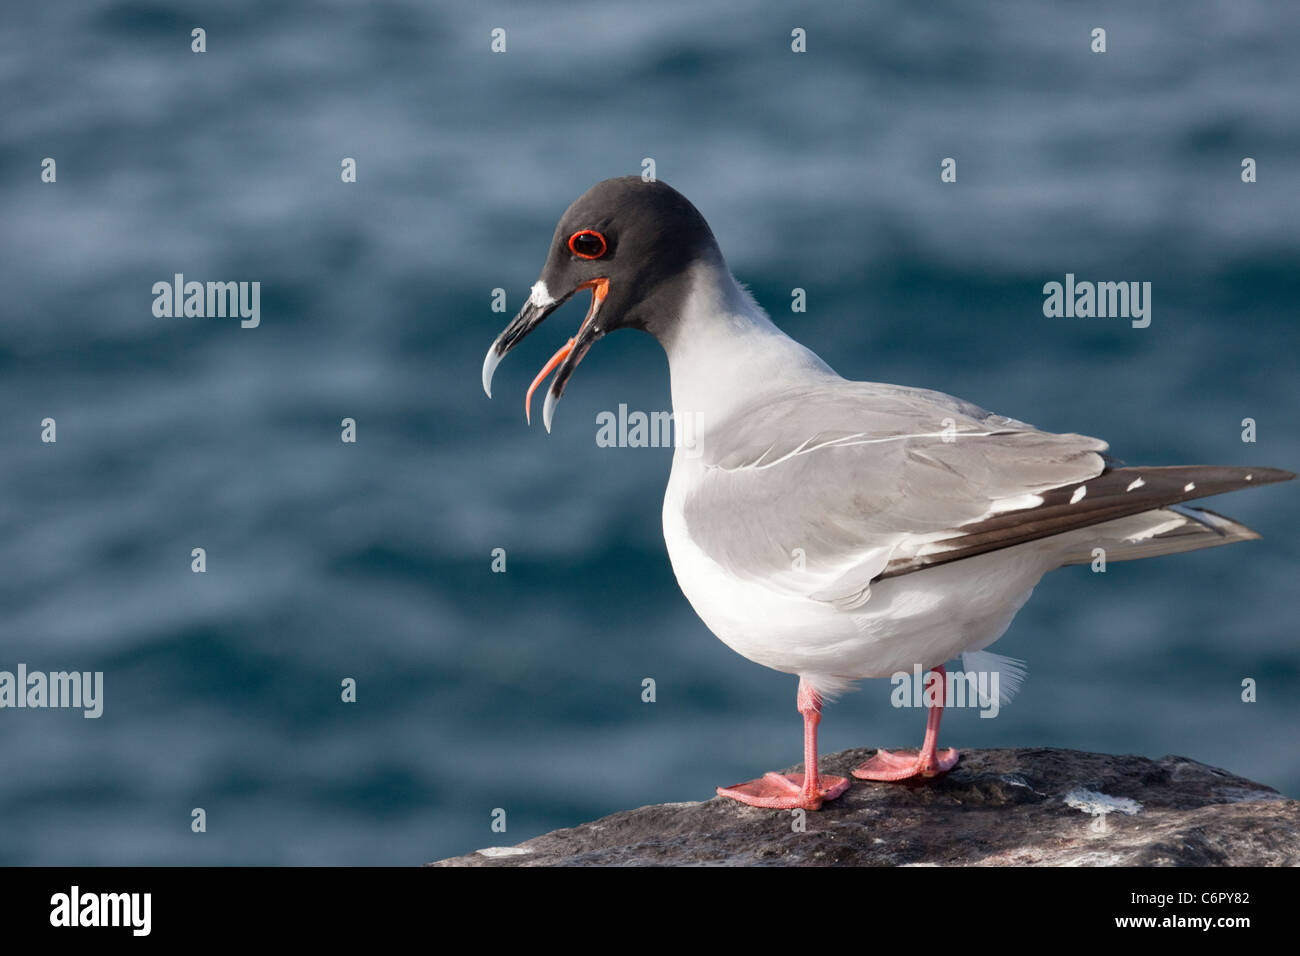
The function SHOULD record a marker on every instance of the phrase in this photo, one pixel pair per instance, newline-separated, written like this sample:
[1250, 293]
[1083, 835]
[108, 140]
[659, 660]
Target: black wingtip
[1265, 476]
[1210, 479]
[1115, 493]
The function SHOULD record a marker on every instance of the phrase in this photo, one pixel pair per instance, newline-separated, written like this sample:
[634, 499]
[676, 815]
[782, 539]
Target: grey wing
[829, 485]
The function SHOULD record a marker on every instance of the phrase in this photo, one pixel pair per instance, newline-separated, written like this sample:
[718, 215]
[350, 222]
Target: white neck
[725, 351]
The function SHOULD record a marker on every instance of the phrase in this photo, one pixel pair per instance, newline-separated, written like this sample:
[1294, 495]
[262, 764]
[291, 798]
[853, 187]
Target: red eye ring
[592, 251]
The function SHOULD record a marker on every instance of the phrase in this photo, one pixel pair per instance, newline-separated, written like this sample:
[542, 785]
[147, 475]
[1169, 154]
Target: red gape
[547, 369]
[599, 289]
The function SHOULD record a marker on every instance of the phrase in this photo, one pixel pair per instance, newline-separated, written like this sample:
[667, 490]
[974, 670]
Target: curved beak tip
[528, 319]
[490, 363]
[548, 410]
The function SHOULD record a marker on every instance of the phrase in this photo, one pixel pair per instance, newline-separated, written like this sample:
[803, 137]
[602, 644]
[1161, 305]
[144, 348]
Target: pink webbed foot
[775, 791]
[889, 766]
[929, 761]
[794, 791]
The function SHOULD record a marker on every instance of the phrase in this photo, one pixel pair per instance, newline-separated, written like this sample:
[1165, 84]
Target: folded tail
[1131, 512]
[1150, 534]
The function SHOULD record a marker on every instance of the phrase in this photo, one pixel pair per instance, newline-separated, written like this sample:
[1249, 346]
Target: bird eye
[587, 244]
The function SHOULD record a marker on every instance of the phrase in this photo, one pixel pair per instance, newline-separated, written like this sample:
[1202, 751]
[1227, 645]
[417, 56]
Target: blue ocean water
[522, 690]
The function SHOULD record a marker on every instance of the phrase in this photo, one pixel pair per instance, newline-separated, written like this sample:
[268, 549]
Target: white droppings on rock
[494, 851]
[1015, 780]
[1097, 804]
[1096, 859]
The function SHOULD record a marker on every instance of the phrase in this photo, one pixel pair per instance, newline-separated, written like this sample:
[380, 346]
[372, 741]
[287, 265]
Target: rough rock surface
[1027, 807]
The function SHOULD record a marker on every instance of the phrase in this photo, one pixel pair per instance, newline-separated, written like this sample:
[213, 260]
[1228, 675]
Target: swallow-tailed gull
[832, 529]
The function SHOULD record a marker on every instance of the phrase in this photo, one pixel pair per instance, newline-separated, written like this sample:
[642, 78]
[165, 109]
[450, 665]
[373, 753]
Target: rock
[1027, 807]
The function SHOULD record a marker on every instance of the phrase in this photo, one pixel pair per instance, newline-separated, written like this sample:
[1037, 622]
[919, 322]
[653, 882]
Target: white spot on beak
[1135, 483]
[541, 296]
[1078, 494]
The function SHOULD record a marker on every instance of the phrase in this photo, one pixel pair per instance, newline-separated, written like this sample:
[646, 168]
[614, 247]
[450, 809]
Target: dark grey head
[632, 244]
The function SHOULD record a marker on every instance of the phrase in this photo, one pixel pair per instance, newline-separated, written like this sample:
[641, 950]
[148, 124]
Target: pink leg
[906, 764]
[792, 791]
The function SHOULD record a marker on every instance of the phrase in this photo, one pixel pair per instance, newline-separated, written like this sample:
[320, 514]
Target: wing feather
[832, 486]
[840, 480]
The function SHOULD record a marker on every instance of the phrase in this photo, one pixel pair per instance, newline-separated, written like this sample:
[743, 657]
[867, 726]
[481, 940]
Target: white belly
[925, 618]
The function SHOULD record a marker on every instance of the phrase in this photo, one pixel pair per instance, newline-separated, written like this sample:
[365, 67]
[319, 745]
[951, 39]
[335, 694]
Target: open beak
[566, 359]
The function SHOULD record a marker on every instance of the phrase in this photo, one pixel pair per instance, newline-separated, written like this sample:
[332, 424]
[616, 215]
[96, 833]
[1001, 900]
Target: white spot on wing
[1135, 483]
[1016, 503]
[1190, 486]
[1078, 494]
